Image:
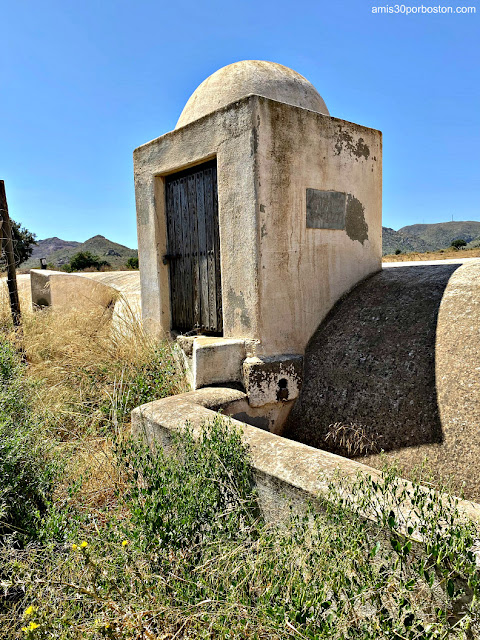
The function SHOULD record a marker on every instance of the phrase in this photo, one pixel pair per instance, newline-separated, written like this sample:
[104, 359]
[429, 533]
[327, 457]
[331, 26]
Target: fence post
[7, 246]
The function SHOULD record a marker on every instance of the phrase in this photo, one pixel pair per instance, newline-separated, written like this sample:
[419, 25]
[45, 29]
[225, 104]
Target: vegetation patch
[111, 539]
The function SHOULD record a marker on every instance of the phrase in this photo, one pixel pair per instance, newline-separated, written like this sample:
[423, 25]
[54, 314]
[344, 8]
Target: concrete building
[255, 215]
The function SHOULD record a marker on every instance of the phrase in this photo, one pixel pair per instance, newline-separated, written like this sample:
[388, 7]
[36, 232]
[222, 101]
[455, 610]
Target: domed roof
[240, 79]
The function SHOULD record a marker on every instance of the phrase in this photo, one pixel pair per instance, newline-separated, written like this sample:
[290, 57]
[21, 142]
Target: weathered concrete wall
[24, 290]
[288, 474]
[117, 291]
[399, 357]
[279, 278]
[303, 271]
[227, 135]
[66, 291]
[127, 312]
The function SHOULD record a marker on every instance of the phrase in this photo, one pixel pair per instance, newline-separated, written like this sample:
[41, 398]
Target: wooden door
[193, 249]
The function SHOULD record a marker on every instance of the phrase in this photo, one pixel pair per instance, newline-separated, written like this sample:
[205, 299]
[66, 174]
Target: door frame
[194, 267]
[162, 270]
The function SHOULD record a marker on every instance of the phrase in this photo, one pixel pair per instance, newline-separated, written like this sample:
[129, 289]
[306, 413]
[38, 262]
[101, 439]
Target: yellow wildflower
[31, 627]
[124, 543]
[83, 544]
[74, 547]
[29, 611]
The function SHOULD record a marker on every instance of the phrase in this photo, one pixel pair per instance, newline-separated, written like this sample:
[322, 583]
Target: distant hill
[48, 246]
[395, 240]
[59, 252]
[440, 235]
[429, 237]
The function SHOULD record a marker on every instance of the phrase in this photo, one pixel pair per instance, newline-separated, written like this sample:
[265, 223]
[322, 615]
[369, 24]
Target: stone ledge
[212, 360]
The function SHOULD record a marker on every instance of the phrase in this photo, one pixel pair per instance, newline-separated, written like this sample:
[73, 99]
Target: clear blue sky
[84, 83]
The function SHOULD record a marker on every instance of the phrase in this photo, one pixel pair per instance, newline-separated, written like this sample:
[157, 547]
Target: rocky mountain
[58, 252]
[429, 237]
[48, 246]
[440, 235]
[393, 241]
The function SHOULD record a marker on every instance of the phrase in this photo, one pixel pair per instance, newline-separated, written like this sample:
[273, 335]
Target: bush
[187, 557]
[132, 263]
[398, 252]
[196, 491]
[458, 243]
[85, 260]
[26, 474]
[23, 241]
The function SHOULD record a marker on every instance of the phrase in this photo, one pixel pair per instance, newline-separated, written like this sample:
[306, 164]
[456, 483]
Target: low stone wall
[115, 291]
[287, 472]
[67, 291]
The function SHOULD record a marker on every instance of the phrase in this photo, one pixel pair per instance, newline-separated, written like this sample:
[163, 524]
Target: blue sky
[84, 83]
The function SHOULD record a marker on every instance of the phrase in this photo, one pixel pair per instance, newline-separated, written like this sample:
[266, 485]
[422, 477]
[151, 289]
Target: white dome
[240, 79]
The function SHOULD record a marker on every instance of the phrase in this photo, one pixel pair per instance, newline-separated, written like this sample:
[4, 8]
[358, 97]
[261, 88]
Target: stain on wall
[237, 303]
[345, 140]
[355, 223]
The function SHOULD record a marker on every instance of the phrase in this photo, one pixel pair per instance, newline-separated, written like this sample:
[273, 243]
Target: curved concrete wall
[399, 357]
[117, 290]
[69, 291]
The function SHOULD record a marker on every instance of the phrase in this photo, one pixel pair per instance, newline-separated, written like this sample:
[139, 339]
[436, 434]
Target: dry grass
[87, 367]
[352, 440]
[314, 578]
[88, 374]
[443, 254]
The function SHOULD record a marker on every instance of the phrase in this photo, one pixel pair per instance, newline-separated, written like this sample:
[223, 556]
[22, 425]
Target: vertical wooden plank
[218, 280]
[202, 247]
[192, 203]
[189, 296]
[193, 242]
[182, 242]
[179, 265]
[171, 248]
[7, 246]
[209, 216]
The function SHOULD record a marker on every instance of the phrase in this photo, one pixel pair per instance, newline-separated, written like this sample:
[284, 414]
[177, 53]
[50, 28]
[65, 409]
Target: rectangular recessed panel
[325, 209]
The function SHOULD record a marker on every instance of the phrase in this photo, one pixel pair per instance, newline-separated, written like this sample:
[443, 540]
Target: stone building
[255, 215]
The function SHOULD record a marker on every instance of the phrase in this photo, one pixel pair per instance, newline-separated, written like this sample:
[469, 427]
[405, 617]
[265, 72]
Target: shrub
[198, 490]
[188, 558]
[26, 473]
[84, 260]
[398, 252]
[132, 263]
[458, 243]
[23, 241]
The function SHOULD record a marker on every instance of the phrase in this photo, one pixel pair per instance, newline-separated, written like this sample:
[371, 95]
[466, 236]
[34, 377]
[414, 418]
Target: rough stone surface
[258, 77]
[272, 379]
[400, 358]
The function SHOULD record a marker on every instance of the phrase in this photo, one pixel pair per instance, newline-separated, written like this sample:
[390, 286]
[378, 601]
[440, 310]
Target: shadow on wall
[371, 364]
